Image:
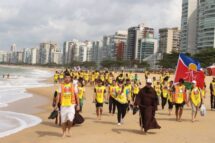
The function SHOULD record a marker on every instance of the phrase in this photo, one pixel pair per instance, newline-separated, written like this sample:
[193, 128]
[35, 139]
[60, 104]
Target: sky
[30, 22]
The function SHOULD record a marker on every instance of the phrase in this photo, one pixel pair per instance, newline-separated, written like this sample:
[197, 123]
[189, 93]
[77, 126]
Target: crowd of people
[125, 92]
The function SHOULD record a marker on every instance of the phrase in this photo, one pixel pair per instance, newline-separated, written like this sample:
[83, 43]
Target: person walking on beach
[170, 96]
[112, 96]
[164, 93]
[81, 94]
[121, 102]
[69, 100]
[212, 90]
[99, 98]
[147, 101]
[195, 100]
[180, 99]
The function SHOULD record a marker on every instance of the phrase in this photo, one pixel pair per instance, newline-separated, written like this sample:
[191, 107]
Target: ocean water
[13, 89]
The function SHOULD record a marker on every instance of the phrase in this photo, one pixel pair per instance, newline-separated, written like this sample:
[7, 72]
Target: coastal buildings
[189, 26]
[34, 56]
[46, 51]
[3, 56]
[169, 40]
[197, 25]
[135, 35]
[206, 24]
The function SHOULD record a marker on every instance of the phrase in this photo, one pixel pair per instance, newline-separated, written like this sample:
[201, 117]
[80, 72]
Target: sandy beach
[106, 130]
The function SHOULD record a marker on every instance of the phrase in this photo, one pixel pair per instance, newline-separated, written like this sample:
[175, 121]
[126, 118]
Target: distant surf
[13, 89]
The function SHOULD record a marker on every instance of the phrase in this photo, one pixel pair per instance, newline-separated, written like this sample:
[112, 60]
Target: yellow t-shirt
[136, 89]
[100, 91]
[196, 96]
[112, 91]
[81, 92]
[179, 94]
[213, 86]
[121, 96]
[67, 95]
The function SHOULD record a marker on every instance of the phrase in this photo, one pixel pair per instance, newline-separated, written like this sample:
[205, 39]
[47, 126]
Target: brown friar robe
[147, 101]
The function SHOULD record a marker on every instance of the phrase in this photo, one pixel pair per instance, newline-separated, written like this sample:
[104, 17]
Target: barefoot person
[147, 101]
[99, 97]
[195, 100]
[68, 99]
[180, 99]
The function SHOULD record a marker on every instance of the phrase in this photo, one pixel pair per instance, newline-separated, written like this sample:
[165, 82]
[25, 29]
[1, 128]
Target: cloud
[29, 22]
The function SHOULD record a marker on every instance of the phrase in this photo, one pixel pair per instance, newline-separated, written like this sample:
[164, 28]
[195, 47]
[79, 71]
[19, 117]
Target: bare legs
[66, 125]
[99, 112]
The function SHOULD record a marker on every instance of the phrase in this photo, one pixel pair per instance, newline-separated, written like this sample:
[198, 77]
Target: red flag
[189, 69]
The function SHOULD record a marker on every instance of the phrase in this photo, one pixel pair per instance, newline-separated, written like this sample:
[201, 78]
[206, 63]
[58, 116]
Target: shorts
[179, 105]
[67, 113]
[99, 105]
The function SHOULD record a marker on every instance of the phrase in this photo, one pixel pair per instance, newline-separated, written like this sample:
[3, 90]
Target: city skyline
[28, 23]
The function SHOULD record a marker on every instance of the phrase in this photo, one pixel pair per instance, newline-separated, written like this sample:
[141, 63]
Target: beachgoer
[195, 100]
[212, 90]
[99, 98]
[180, 98]
[68, 99]
[147, 101]
[121, 102]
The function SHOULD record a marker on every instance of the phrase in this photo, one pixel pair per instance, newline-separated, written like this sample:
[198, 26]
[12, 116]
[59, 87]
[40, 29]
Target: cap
[149, 80]
[194, 82]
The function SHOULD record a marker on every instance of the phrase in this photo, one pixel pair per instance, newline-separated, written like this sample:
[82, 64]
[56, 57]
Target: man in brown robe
[147, 102]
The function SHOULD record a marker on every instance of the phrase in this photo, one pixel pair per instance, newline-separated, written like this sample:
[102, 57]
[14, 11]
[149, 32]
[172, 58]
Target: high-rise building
[45, 52]
[13, 48]
[169, 40]
[197, 25]
[135, 34]
[206, 24]
[20, 57]
[34, 56]
[97, 51]
[189, 26]
[27, 56]
[147, 47]
[56, 57]
[85, 51]
[3, 56]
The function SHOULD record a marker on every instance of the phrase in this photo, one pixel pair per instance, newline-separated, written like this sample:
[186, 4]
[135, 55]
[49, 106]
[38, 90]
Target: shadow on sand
[173, 119]
[50, 124]
[104, 122]
[133, 131]
[48, 133]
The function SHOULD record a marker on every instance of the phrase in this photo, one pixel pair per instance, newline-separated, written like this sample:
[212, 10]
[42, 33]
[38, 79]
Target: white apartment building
[34, 56]
[27, 55]
[169, 40]
[189, 26]
[45, 52]
[56, 58]
[206, 24]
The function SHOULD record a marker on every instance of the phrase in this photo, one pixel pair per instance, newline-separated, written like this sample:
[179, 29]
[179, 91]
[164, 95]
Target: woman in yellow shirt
[195, 100]
[121, 102]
